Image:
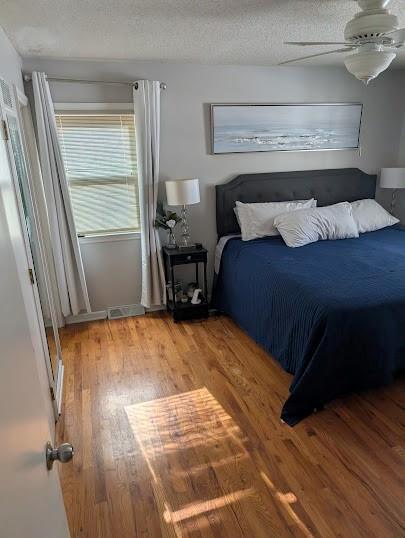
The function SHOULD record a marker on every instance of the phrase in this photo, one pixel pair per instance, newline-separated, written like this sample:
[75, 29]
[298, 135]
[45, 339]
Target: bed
[331, 313]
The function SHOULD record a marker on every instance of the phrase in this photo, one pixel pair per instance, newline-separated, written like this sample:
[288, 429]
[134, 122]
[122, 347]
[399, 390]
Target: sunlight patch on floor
[200, 465]
[183, 421]
[183, 438]
[286, 499]
[197, 508]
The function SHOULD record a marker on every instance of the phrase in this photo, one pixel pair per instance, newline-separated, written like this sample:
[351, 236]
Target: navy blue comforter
[332, 313]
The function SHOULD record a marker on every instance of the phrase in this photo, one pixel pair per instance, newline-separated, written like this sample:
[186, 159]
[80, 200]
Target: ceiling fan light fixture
[367, 65]
[373, 4]
[375, 36]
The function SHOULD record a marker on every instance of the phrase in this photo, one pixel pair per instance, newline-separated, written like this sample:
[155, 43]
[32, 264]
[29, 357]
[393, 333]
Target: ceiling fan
[374, 37]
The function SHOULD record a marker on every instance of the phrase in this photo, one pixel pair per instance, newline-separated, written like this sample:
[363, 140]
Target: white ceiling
[204, 31]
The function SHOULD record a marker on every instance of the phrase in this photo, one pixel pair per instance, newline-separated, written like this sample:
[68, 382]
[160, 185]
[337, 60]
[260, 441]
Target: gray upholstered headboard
[327, 186]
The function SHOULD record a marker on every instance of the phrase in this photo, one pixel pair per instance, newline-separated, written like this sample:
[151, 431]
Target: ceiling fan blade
[313, 43]
[316, 55]
[397, 35]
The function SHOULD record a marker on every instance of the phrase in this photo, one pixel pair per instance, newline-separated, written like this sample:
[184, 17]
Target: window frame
[96, 109]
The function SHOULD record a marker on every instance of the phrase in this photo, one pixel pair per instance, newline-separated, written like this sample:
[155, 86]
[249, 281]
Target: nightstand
[184, 256]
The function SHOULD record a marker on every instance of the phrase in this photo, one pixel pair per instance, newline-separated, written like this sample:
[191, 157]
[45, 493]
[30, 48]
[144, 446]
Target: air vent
[6, 93]
[117, 312]
[367, 36]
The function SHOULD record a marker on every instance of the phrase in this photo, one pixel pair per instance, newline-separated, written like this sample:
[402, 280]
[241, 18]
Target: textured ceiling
[205, 31]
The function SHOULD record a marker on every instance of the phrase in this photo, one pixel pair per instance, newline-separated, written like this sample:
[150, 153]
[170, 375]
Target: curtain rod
[27, 78]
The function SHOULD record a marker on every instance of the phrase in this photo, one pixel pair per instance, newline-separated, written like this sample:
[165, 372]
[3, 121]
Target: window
[99, 153]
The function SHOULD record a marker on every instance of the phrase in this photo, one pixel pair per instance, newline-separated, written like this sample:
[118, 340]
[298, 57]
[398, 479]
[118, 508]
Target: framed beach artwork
[240, 128]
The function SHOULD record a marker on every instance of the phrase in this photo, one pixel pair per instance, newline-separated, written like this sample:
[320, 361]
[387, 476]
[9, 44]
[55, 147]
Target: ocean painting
[248, 128]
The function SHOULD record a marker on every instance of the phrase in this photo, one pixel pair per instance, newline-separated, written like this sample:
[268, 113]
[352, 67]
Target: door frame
[21, 101]
[25, 261]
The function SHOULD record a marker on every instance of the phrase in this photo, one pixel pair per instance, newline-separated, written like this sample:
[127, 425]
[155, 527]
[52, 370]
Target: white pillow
[257, 220]
[305, 226]
[369, 216]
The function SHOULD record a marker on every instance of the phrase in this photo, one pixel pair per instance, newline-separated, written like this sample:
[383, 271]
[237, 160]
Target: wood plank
[177, 434]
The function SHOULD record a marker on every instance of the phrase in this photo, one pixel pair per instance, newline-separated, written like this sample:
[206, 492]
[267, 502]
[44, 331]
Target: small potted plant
[168, 221]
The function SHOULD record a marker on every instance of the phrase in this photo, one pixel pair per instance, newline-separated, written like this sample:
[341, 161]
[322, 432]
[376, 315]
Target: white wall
[400, 203]
[186, 132]
[113, 270]
[10, 61]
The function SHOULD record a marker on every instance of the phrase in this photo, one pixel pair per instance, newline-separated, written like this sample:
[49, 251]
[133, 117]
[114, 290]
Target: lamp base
[185, 229]
[393, 201]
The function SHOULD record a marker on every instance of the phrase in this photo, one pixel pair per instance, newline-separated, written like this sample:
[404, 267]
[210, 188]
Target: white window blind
[99, 153]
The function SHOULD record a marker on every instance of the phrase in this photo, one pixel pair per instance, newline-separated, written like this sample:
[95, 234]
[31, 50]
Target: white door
[31, 504]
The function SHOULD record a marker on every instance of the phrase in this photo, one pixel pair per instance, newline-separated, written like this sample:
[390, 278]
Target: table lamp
[392, 178]
[183, 192]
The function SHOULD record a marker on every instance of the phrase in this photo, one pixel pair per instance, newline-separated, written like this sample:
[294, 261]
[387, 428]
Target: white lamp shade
[183, 192]
[392, 178]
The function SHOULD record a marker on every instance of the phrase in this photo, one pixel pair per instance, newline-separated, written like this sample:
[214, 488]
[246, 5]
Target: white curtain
[71, 282]
[147, 127]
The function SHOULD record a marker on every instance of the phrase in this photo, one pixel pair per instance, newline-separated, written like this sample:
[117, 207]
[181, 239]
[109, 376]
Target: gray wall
[185, 135]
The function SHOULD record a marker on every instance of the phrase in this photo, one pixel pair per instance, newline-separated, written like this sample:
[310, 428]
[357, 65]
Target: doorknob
[62, 453]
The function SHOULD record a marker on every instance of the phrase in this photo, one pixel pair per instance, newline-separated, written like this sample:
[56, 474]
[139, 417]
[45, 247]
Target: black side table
[184, 256]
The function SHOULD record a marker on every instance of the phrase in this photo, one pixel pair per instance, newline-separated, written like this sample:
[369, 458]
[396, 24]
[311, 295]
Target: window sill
[110, 238]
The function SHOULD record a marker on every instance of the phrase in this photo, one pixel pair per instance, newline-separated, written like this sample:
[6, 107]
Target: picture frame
[268, 127]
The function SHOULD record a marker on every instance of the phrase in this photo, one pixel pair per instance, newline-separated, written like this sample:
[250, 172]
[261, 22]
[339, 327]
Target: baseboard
[156, 308]
[86, 316]
[101, 314]
[59, 388]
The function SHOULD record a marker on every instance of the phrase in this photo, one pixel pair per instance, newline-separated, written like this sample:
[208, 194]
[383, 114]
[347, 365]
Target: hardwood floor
[177, 434]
